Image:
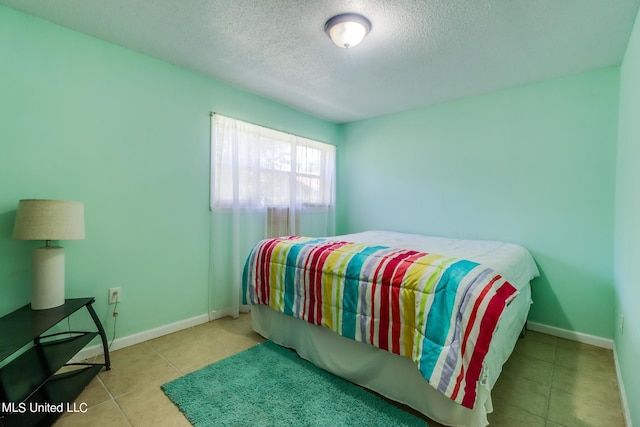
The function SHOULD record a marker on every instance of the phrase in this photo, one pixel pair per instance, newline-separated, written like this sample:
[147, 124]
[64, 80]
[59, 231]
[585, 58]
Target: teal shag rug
[268, 385]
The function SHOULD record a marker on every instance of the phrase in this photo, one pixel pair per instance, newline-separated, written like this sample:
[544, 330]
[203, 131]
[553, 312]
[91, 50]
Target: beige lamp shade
[49, 220]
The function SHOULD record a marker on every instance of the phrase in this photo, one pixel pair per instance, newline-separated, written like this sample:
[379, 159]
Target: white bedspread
[514, 262]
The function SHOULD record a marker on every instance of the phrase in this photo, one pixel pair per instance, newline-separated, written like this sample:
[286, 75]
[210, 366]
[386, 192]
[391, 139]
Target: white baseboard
[227, 312]
[150, 334]
[219, 314]
[129, 340]
[571, 335]
[623, 393]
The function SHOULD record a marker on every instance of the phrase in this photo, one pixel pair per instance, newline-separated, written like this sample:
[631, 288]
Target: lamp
[48, 220]
[347, 30]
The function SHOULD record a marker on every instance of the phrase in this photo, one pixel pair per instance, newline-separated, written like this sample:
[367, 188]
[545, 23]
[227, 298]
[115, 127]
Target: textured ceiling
[418, 52]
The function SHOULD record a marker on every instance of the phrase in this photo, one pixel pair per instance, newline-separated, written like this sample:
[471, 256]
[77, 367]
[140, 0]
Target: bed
[403, 362]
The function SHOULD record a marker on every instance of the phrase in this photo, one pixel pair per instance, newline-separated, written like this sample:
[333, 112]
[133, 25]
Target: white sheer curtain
[264, 183]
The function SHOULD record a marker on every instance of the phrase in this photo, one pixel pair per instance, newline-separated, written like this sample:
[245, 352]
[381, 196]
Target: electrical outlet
[114, 295]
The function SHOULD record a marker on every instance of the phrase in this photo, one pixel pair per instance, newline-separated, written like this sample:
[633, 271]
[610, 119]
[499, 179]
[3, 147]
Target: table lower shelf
[24, 375]
[54, 398]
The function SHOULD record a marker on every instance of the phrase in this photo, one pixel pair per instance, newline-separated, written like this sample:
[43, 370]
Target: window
[254, 166]
[264, 183]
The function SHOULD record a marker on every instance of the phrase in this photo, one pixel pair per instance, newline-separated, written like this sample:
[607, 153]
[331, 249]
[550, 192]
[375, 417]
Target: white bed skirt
[388, 374]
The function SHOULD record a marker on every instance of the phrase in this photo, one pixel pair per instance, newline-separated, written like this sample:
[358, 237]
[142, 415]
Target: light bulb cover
[348, 29]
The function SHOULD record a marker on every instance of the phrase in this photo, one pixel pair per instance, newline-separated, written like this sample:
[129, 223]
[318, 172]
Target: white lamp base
[47, 283]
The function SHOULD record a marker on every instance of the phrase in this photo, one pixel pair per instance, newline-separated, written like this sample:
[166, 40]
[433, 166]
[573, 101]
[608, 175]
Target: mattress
[394, 376]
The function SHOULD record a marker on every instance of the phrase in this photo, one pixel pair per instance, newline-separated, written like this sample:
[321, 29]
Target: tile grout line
[598, 402]
[165, 359]
[553, 373]
[115, 401]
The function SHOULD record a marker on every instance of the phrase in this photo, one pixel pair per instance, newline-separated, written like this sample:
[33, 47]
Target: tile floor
[548, 381]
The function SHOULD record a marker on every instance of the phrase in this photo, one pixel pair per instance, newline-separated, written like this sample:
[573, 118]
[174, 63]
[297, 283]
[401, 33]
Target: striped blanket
[438, 311]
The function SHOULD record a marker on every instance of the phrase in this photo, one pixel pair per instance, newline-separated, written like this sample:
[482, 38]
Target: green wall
[128, 135]
[533, 165]
[627, 225]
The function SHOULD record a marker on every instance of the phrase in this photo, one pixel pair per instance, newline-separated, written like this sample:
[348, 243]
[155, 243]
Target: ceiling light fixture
[348, 29]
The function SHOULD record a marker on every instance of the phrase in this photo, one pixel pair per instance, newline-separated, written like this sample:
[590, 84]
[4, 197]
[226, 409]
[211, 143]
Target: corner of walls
[342, 162]
[532, 165]
[627, 230]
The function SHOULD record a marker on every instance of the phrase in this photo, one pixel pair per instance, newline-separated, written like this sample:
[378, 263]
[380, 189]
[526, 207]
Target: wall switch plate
[114, 295]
